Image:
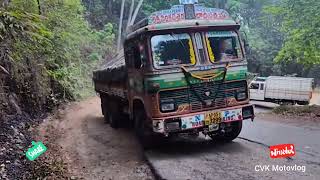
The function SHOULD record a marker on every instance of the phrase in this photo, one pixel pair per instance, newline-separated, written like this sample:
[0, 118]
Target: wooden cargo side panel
[112, 78]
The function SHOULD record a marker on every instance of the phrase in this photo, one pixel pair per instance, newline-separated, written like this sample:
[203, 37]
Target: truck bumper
[201, 121]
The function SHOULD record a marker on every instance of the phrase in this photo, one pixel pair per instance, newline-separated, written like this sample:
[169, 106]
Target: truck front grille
[214, 94]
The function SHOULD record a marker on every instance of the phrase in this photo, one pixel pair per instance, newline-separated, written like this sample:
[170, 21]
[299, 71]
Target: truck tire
[236, 128]
[113, 115]
[303, 103]
[143, 132]
[104, 108]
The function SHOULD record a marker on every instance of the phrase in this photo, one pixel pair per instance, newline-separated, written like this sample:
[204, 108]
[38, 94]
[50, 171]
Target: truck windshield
[172, 50]
[223, 46]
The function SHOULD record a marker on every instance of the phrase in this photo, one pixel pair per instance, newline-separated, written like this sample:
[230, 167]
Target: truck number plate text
[192, 121]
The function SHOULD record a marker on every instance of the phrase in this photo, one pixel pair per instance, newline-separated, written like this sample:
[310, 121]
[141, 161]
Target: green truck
[182, 70]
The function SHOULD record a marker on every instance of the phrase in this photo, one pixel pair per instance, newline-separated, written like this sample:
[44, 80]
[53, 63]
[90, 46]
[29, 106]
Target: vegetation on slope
[48, 51]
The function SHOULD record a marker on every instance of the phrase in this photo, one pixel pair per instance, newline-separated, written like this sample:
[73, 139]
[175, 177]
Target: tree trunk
[120, 27]
[130, 14]
[136, 12]
[39, 7]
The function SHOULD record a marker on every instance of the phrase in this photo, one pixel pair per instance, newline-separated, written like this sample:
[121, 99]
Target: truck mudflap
[203, 121]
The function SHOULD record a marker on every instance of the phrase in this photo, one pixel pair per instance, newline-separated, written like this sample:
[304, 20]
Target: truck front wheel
[230, 133]
[143, 132]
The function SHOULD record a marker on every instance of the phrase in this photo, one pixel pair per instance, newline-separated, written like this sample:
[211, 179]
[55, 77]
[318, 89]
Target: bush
[49, 57]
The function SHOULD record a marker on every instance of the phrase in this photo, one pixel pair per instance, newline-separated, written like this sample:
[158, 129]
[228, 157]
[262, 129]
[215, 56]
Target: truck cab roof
[183, 17]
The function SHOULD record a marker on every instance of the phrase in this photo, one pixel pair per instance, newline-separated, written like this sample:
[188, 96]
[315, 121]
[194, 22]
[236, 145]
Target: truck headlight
[241, 96]
[167, 106]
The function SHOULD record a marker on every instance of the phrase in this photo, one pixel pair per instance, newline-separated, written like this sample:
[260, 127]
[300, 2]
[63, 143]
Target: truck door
[136, 62]
[257, 90]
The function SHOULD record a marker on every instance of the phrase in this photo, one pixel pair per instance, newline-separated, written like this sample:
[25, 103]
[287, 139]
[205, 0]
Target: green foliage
[74, 44]
[300, 23]
[51, 55]
[150, 6]
[60, 42]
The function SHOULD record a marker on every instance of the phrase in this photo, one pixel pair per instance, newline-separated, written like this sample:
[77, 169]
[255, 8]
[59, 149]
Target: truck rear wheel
[230, 133]
[113, 115]
[303, 103]
[104, 108]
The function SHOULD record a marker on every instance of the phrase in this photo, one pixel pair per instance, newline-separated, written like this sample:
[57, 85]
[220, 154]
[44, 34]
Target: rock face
[15, 137]
[114, 71]
[14, 140]
[26, 93]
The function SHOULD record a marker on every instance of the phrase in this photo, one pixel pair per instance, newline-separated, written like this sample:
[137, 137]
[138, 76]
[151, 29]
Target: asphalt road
[306, 139]
[202, 158]
[93, 150]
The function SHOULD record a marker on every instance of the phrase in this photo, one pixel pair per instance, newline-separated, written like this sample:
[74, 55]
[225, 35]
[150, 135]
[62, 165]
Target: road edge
[154, 171]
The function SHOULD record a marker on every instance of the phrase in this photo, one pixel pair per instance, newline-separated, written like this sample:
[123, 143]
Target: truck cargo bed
[113, 70]
[111, 78]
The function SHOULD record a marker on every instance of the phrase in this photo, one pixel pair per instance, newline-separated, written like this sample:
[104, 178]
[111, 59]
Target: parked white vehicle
[282, 90]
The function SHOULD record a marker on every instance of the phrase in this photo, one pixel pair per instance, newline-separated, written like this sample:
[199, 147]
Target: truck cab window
[223, 46]
[254, 86]
[261, 86]
[172, 50]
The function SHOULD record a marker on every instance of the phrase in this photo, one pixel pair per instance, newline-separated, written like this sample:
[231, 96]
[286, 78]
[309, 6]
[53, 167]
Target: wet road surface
[205, 159]
[237, 160]
[93, 150]
[306, 139]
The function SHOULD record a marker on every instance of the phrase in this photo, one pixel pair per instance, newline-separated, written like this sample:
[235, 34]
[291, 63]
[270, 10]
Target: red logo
[282, 151]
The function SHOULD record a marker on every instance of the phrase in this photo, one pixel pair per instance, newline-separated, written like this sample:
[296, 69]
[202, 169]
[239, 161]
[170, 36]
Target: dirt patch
[310, 121]
[310, 111]
[89, 148]
[315, 97]
[303, 116]
[50, 165]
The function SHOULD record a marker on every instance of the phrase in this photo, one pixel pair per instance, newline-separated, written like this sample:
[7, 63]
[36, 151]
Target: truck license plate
[213, 127]
[232, 115]
[212, 118]
[192, 121]
[223, 116]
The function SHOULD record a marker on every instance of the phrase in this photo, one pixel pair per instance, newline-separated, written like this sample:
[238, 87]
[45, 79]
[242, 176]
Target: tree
[300, 23]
